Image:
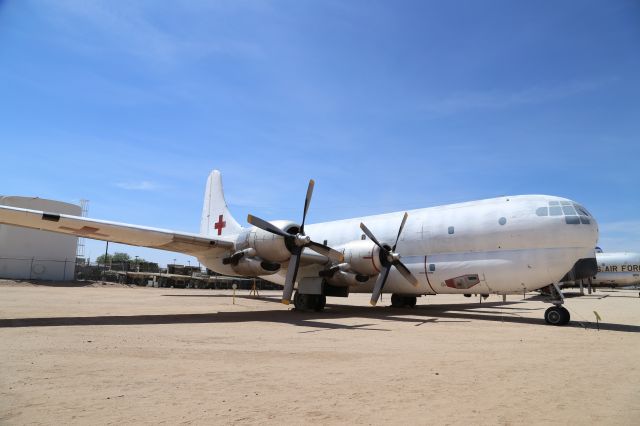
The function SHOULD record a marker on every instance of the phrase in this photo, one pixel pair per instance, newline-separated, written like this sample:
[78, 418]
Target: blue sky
[389, 105]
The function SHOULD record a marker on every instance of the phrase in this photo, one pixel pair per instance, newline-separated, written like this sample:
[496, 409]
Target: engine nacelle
[252, 267]
[347, 279]
[268, 246]
[363, 257]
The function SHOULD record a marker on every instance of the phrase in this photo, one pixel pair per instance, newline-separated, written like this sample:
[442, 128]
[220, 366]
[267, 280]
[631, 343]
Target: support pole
[106, 255]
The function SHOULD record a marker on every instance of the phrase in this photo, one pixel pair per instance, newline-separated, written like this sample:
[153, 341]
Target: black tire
[319, 303]
[555, 315]
[467, 295]
[566, 316]
[297, 301]
[397, 301]
[411, 301]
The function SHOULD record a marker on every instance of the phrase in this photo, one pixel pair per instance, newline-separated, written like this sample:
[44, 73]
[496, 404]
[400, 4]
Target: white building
[39, 255]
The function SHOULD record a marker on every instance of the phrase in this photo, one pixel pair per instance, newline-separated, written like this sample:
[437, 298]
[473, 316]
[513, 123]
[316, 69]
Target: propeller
[296, 243]
[388, 258]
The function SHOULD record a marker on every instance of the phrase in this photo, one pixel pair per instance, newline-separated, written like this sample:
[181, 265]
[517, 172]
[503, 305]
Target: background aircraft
[504, 245]
[617, 269]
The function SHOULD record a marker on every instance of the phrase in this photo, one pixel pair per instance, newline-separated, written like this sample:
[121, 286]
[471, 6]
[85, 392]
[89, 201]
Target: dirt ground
[115, 354]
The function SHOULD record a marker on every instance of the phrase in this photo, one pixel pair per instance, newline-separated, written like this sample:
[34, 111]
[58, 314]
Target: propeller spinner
[389, 258]
[297, 242]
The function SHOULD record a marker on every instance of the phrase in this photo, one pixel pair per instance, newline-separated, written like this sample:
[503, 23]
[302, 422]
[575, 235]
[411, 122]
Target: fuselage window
[554, 203]
[568, 210]
[565, 203]
[432, 267]
[584, 220]
[363, 237]
[502, 220]
[572, 220]
[542, 211]
[555, 211]
[451, 230]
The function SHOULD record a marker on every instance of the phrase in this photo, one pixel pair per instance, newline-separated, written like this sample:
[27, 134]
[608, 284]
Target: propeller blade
[290, 280]
[406, 273]
[379, 285]
[404, 220]
[326, 251]
[371, 236]
[307, 202]
[266, 226]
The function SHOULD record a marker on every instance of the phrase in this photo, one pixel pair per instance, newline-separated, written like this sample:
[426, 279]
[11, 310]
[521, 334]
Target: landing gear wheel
[566, 316]
[307, 302]
[297, 301]
[557, 315]
[319, 302]
[397, 301]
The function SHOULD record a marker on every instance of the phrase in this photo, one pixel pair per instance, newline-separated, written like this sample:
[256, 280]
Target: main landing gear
[557, 314]
[309, 302]
[398, 301]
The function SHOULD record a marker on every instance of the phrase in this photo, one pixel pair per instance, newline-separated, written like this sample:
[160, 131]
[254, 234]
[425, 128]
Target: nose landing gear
[557, 314]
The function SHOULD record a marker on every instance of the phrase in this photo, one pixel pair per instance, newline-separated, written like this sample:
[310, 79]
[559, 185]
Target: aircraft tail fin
[216, 219]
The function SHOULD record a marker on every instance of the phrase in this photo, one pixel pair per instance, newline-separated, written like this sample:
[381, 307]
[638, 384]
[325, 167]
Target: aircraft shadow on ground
[422, 314]
[38, 283]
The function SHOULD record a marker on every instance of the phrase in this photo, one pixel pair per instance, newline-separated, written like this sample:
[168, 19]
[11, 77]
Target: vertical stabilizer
[216, 218]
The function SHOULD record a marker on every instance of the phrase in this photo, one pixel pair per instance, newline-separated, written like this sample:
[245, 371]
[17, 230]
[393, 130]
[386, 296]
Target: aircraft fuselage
[617, 269]
[502, 245]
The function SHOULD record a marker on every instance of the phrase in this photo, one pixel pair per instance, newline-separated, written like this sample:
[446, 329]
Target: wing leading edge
[111, 231]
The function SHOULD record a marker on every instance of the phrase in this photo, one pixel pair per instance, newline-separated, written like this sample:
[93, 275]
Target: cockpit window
[542, 211]
[572, 220]
[573, 213]
[555, 211]
[582, 210]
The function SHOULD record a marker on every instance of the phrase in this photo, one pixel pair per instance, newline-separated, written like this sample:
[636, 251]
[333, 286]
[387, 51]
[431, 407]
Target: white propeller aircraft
[617, 269]
[504, 245]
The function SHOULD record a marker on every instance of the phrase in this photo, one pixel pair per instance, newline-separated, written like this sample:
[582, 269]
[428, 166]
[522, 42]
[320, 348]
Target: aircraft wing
[111, 231]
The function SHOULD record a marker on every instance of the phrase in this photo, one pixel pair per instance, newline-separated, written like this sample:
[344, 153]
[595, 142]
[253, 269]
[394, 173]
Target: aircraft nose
[588, 220]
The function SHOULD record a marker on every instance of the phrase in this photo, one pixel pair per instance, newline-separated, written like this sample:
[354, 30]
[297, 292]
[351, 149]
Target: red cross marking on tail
[219, 225]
